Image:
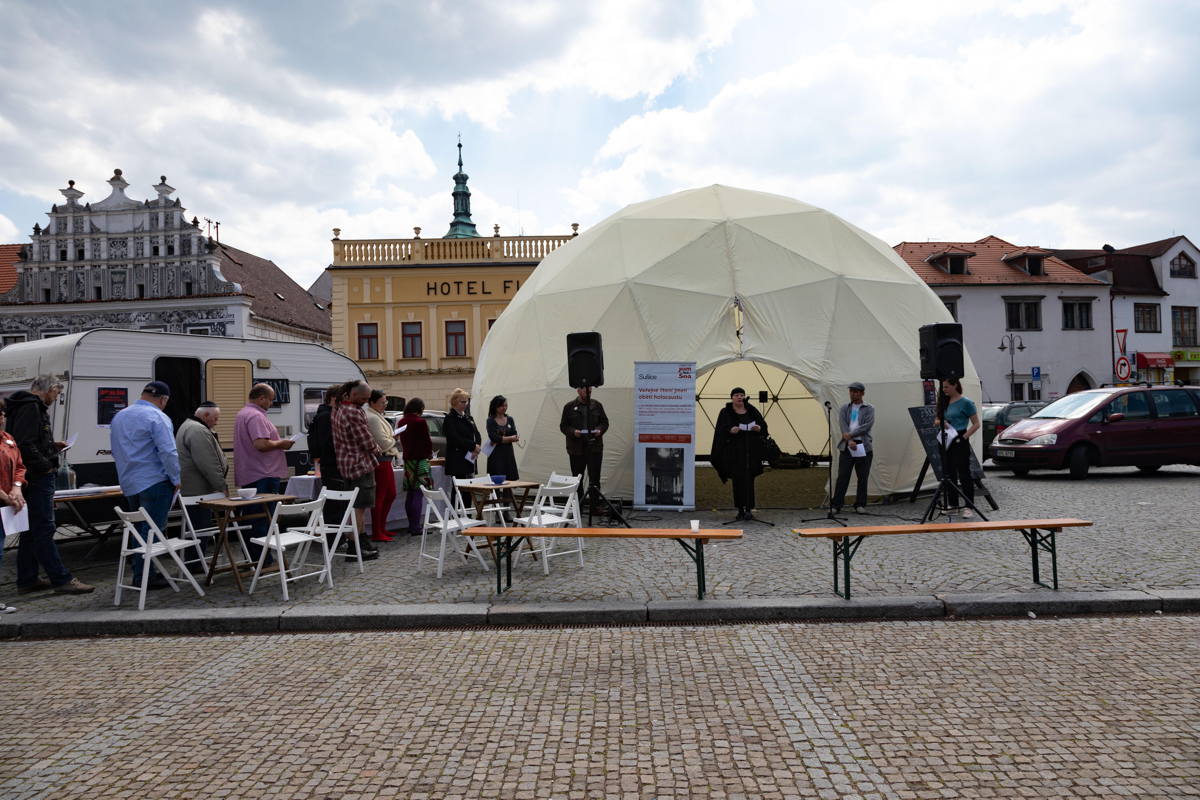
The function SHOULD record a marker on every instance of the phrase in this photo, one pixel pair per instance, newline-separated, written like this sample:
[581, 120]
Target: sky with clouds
[1067, 123]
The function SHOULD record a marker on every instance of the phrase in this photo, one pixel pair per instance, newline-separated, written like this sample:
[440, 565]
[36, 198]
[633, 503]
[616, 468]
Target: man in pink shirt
[258, 459]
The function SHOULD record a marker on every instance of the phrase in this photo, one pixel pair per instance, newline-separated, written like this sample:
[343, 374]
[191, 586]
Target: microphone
[828, 404]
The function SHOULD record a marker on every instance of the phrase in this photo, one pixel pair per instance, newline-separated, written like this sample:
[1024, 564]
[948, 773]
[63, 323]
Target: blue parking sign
[1035, 373]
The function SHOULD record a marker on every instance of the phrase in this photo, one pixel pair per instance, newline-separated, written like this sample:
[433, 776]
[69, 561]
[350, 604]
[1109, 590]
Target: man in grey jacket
[855, 450]
[202, 463]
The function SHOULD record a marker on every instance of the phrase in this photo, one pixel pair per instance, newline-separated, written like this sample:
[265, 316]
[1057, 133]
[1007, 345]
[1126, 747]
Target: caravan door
[228, 381]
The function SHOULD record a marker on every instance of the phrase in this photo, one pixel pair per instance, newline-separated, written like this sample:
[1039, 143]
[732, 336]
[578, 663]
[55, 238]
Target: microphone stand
[829, 483]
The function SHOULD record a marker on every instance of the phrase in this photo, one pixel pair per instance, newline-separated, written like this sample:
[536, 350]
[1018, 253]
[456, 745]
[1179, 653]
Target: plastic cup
[695, 525]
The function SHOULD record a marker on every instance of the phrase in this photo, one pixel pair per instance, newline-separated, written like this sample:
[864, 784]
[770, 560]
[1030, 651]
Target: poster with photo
[664, 435]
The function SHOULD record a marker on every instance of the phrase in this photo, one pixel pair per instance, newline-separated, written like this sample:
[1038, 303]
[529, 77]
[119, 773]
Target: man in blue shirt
[143, 447]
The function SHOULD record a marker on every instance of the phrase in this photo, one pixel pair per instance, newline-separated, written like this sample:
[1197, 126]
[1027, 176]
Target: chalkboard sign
[924, 420]
[110, 400]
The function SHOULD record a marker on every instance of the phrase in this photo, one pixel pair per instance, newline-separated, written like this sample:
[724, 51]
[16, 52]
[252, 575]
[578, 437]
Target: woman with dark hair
[960, 413]
[502, 432]
[738, 449]
[385, 477]
[418, 449]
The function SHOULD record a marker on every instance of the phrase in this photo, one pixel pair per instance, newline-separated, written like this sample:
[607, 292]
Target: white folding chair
[188, 529]
[556, 506]
[493, 507]
[347, 527]
[301, 537]
[152, 547]
[442, 517]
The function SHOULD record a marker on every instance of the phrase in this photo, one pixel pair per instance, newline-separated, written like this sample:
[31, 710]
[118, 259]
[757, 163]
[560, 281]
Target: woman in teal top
[960, 413]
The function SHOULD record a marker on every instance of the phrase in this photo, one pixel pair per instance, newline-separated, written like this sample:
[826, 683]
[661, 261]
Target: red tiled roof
[10, 254]
[987, 266]
[273, 294]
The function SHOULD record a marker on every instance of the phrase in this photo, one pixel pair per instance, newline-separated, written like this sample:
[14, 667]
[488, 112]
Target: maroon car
[1137, 426]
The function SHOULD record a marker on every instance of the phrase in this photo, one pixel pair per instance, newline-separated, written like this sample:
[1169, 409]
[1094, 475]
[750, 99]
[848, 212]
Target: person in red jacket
[417, 448]
[12, 479]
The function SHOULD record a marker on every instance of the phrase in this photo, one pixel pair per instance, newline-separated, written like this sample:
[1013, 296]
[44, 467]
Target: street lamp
[1012, 343]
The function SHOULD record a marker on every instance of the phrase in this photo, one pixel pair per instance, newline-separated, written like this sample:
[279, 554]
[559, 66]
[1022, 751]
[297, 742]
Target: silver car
[434, 419]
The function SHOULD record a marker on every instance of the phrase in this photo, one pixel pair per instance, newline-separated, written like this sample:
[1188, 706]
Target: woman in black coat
[462, 437]
[738, 449]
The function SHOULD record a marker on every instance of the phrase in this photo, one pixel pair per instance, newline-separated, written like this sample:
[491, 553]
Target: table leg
[1054, 556]
[846, 564]
[218, 543]
[700, 582]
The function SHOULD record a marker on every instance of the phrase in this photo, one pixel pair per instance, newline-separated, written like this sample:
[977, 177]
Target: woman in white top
[385, 478]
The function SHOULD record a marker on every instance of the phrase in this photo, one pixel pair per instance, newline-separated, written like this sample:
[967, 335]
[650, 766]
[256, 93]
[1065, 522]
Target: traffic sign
[1035, 375]
[1123, 370]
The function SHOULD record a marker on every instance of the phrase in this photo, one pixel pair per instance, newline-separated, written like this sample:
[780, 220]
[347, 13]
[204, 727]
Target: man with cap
[855, 450]
[143, 447]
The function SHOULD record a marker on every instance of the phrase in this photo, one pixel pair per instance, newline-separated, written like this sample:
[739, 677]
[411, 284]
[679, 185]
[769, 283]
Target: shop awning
[1155, 360]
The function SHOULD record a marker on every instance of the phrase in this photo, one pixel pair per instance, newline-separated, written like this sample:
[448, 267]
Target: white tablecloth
[307, 487]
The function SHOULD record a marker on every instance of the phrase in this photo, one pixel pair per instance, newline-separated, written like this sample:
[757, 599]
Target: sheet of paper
[470, 458]
[746, 426]
[488, 447]
[400, 430]
[858, 450]
[295, 437]
[948, 435]
[71, 441]
[14, 521]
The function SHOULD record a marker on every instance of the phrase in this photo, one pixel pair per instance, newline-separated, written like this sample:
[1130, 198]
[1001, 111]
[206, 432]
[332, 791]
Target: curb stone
[1049, 602]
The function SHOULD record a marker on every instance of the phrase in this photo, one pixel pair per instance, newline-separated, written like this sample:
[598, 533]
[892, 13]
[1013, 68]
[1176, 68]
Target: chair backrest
[437, 502]
[310, 510]
[348, 522]
[183, 501]
[130, 519]
[556, 477]
[339, 496]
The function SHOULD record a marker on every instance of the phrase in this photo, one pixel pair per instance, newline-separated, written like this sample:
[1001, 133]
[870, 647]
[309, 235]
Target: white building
[124, 263]
[1155, 297]
[1048, 317]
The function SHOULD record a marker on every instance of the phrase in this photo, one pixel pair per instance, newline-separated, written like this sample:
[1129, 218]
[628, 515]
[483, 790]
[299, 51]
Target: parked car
[998, 416]
[434, 419]
[1142, 426]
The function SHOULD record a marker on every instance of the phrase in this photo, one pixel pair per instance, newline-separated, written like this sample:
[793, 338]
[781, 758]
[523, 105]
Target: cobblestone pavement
[1078, 707]
[1145, 537]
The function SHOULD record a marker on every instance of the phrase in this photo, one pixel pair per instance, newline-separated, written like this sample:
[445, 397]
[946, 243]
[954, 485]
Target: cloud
[8, 231]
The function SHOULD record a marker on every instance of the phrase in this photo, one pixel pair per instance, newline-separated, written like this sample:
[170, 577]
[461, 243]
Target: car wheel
[1150, 467]
[1020, 472]
[1079, 462]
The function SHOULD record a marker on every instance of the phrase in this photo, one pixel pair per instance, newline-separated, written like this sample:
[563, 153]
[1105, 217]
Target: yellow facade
[414, 313]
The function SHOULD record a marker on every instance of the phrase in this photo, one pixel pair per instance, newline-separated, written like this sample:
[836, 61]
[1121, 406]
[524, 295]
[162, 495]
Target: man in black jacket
[29, 424]
[584, 424]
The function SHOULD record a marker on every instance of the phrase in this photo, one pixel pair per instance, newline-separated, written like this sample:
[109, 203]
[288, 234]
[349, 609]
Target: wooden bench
[1038, 533]
[506, 541]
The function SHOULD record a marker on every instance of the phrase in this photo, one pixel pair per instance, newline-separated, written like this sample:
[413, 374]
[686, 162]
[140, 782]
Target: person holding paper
[29, 424]
[462, 437]
[959, 413]
[356, 451]
[12, 479]
[258, 455]
[738, 449]
[385, 476]
[584, 424]
[502, 433]
[855, 419]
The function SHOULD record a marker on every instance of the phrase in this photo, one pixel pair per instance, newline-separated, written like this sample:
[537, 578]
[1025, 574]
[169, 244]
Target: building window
[1023, 315]
[368, 341]
[491, 322]
[187, 288]
[141, 291]
[1077, 315]
[11, 338]
[97, 293]
[1017, 392]
[456, 338]
[1145, 318]
[53, 333]
[1182, 266]
[79, 256]
[1183, 326]
[410, 336]
[201, 330]
[952, 307]
[45, 295]
[1035, 265]
[958, 265]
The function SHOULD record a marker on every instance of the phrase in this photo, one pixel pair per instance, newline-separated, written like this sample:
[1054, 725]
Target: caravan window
[312, 398]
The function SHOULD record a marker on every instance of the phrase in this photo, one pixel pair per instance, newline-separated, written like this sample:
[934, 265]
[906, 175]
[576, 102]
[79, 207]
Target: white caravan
[104, 370]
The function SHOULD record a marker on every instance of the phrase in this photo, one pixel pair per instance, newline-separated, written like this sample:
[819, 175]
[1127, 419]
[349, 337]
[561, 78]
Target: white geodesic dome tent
[671, 279]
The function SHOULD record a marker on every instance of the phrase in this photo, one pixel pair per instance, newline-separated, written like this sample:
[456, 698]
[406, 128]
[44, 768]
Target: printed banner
[664, 434]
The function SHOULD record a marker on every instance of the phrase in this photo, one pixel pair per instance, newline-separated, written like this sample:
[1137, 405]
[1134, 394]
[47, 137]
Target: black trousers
[861, 467]
[958, 470]
[587, 462]
[743, 490]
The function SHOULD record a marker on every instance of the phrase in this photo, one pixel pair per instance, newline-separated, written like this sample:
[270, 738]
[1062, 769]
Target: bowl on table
[498, 479]
[246, 494]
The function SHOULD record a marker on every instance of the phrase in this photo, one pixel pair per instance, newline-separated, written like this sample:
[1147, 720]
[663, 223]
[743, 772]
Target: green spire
[461, 227]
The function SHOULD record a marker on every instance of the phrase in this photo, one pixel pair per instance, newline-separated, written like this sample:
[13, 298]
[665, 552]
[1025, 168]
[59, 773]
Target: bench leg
[1042, 541]
[844, 548]
[696, 550]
